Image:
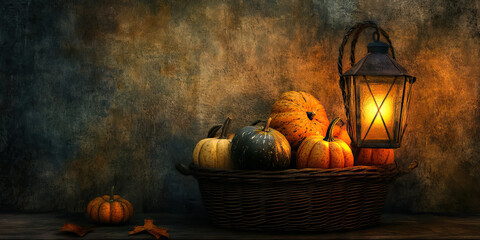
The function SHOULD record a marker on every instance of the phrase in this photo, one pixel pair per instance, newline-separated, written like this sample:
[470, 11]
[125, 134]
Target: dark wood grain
[45, 226]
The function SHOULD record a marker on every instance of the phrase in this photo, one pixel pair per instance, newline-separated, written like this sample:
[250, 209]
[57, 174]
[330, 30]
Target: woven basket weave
[295, 199]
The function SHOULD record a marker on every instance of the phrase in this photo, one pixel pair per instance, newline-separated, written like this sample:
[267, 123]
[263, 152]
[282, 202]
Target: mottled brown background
[95, 93]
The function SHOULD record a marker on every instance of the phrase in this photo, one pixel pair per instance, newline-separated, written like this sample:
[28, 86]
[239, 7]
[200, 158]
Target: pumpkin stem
[111, 194]
[225, 126]
[267, 125]
[329, 135]
[257, 122]
[310, 115]
[213, 131]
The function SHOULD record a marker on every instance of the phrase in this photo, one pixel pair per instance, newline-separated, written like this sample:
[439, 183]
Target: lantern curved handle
[183, 169]
[356, 30]
[402, 172]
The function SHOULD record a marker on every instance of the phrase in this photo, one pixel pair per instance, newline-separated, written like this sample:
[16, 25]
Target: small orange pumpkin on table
[110, 210]
[317, 151]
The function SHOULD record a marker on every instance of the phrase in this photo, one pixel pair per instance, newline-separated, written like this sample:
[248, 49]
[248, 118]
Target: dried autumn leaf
[70, 227]
[148, 226]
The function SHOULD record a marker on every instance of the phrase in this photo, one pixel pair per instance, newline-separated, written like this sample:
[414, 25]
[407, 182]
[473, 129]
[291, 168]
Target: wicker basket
[295, 199]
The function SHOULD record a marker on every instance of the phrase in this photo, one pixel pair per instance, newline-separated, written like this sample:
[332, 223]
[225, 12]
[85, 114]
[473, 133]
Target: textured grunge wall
[95, 93]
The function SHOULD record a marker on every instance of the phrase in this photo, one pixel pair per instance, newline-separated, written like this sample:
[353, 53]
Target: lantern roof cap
[377, 47]
[377, 63]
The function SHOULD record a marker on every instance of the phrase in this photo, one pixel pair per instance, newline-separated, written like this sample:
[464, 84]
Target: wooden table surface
[392, 226]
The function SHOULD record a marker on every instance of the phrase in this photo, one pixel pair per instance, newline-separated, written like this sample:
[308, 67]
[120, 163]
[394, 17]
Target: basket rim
[382, 171]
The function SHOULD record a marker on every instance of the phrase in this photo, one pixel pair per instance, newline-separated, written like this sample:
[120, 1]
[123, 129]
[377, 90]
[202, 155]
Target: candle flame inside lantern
[369, 111]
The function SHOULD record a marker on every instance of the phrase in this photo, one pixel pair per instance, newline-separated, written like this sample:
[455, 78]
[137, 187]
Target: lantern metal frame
[377, 63]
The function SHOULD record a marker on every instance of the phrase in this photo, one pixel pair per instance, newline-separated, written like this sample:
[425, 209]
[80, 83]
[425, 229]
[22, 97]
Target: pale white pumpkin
[214, 152]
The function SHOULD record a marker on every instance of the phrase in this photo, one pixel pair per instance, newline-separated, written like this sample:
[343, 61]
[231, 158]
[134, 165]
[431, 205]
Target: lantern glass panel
[377, 109]
[405, 104]
[380, 105]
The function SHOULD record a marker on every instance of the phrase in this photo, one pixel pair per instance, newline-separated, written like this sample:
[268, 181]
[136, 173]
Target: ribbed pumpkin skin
[290, 116]
[324, 152]
[366, 156]
[256, 149]
[375, 156]
[314, 152]
[103, 211]
[213, 153]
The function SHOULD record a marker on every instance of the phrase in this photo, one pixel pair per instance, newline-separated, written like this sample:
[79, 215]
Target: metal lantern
[376, 93]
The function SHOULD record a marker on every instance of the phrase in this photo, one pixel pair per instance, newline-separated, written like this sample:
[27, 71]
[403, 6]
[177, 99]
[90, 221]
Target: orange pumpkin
[319, 152]
[365, 156]
[298, 115]
[374, 156]
[110, 210]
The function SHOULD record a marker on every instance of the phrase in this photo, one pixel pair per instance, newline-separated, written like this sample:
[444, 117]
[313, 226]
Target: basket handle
[257, 122]
[213, 131]
[413, 165]
[183, 169]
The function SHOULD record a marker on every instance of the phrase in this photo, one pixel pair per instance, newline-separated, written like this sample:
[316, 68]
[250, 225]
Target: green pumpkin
[260, 148]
